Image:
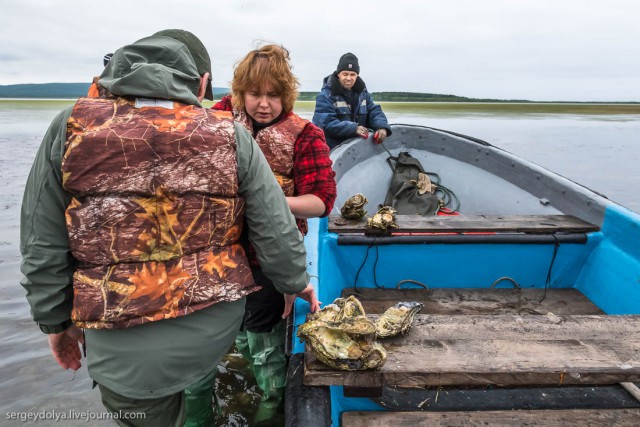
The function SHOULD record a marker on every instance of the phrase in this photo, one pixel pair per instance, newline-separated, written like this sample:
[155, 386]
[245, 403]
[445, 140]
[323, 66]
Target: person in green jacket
[130, 224]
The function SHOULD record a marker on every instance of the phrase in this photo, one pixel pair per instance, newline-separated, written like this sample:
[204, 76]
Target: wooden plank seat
[546, 418]
[533, 224]
[453, 301]
[502, 350]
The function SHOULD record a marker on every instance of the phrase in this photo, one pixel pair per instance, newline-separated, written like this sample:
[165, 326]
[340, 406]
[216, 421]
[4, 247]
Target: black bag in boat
[404, 194]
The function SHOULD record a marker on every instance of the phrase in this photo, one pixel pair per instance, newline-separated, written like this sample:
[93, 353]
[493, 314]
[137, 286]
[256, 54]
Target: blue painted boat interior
[606, 268]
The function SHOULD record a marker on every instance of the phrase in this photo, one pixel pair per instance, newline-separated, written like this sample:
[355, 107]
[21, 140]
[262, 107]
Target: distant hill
[62, 90]
[46, 90]
[76, 90]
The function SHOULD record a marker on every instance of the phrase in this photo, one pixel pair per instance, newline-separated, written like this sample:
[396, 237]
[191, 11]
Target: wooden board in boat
[501, 350]
[534, 224]
[547, 418]
[478, 300]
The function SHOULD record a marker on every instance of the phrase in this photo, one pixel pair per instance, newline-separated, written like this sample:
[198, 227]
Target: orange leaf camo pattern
[155, 215]
[219, 264]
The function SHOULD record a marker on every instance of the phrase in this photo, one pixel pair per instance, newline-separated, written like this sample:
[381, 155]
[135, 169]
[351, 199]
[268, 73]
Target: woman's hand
[308, 294]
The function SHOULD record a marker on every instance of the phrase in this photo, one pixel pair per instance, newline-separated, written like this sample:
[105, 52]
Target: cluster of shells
[382, 221]
[353, 208]
[378, 225]
[342, 337]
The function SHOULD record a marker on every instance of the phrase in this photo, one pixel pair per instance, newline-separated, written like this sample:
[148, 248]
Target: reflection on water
[599, 151]
[237, 393]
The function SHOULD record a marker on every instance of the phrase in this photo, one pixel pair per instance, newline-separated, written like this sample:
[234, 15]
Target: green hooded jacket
[163, 357]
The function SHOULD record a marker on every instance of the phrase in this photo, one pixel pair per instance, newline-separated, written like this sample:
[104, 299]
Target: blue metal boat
[531, 296]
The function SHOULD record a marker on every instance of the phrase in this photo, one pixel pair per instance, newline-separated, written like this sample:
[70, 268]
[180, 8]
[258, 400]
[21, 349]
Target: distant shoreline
[500, 107]
[381, 97]
[58, 91]
[586, 108]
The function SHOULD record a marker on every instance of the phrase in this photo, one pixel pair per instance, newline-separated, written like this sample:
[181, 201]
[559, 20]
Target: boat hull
[601, 263]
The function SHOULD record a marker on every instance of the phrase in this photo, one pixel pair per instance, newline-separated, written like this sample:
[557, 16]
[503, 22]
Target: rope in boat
[547, 283]
[446, 195]
[375, 264]
[515, 284]
[375, 279]
[386, 149]
[411, 281]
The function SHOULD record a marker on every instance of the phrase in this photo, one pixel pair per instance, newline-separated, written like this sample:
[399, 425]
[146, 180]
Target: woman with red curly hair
[264, 91]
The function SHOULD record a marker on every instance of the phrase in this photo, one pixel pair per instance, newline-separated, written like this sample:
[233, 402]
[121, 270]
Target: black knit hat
[348, 62]
[197, 50]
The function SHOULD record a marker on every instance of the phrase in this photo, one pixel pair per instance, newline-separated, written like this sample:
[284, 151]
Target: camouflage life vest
[277, 143]
[155, 215]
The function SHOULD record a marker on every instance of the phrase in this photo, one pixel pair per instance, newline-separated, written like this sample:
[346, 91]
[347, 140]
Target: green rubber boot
[199, 402]
[270, 411]
[269, 365]
[242, 345]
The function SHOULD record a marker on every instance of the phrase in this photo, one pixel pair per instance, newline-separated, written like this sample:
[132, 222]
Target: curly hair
[269, 64]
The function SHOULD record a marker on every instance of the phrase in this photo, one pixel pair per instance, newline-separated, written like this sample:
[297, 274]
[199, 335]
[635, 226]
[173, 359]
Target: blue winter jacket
[333, 113]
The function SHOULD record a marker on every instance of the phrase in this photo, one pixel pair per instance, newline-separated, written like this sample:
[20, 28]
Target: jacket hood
[153, 67]
[332, 82]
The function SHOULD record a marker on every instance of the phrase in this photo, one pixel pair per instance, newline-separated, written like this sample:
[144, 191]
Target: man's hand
[308, 294]
[363, 132]
[379, 136]
[65, 347]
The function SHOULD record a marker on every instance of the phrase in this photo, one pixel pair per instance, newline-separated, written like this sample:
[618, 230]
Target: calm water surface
[601, 152]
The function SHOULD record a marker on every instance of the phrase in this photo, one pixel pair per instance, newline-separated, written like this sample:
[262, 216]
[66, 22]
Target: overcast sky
[569, 50]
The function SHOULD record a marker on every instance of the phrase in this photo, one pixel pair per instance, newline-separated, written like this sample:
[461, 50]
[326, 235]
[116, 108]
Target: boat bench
[413, 225]
[546, 418]
[495, 337]
[455, 301]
